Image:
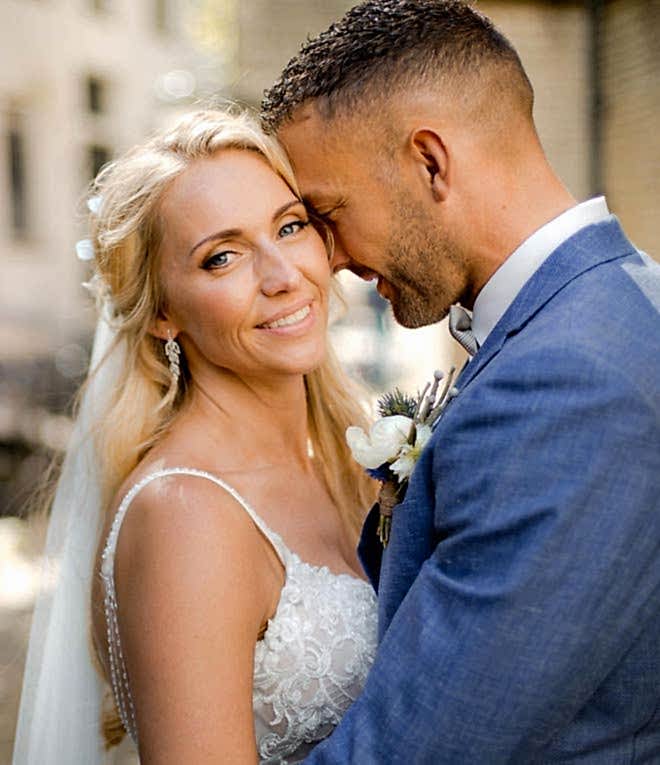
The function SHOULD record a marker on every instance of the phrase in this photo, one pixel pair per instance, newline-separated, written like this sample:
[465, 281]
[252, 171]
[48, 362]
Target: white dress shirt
[501, 289]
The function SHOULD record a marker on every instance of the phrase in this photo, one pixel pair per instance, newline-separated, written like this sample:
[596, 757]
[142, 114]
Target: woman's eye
[220, 259]
[293, 227]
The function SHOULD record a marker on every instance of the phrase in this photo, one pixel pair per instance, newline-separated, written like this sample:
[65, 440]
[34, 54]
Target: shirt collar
[501, 289]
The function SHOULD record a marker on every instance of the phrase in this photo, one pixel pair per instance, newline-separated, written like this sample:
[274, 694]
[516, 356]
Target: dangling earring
[173, 352]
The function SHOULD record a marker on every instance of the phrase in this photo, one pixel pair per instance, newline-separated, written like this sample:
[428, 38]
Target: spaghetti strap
[111, 543]
[118, 672]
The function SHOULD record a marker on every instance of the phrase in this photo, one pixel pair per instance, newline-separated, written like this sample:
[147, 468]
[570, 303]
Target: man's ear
[432, 158]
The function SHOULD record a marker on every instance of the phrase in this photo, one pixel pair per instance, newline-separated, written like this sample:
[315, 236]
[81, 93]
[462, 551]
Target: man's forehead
[308, 111]
[318, 189]
[326, 153]
[305, 136]
[316, 162]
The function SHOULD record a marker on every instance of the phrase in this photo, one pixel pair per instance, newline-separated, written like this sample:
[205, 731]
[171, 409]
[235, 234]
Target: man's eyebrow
[320, 202]
[312, 201]
[229, 233]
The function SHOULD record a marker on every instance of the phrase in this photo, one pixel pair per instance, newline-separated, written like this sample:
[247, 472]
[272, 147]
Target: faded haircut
[383, 47]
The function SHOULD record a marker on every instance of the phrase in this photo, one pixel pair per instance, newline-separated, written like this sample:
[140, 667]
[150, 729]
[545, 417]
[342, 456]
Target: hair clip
[94, 204]
[85, 250]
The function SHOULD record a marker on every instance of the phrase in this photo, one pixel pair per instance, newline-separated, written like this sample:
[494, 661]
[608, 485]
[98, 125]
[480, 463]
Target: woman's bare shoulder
[185, 514]
[194, 588]
[182, 533]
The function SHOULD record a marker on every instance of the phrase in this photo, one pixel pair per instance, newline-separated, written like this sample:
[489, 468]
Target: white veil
[60, 710]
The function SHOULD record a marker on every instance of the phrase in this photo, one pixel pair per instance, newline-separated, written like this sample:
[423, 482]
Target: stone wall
[630, 74]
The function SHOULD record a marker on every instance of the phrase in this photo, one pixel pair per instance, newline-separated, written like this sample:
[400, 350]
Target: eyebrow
[316, 203]
[313, 200]
[229, 233]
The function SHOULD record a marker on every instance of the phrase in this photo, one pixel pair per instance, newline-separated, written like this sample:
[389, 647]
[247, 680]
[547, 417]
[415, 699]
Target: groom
[520, 591]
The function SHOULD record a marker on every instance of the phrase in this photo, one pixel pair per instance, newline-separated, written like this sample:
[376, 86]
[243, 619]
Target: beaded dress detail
[312, 661]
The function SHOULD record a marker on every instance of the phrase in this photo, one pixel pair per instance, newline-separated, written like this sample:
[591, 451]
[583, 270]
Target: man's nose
[277, 271]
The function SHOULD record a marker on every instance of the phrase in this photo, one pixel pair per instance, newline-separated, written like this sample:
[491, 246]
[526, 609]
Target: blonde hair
[127, 235]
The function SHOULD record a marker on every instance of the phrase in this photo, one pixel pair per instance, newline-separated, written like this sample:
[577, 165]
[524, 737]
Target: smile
[292, 318]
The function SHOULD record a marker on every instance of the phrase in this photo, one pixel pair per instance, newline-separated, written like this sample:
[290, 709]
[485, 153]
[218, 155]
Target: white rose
[382, 444]
[404, 466]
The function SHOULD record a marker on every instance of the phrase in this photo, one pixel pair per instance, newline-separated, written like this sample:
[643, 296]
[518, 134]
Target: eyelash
[300, 224]
[328, 216]
[208, 263]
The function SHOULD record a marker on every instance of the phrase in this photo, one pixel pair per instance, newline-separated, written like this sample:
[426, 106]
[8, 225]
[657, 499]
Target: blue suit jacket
[520, 592]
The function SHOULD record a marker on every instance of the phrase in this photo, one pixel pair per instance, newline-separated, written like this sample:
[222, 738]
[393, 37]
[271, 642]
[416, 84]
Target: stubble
[425, 270]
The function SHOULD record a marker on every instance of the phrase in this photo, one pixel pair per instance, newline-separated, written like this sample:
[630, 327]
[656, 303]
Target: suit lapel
[589, 247]
[370, 550]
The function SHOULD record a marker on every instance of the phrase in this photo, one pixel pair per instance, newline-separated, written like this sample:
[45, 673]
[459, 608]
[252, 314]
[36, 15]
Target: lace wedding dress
[312, 661]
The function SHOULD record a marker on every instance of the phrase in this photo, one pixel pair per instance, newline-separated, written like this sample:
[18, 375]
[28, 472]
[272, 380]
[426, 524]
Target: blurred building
[79, 81]
[627, 108]
[595, 66]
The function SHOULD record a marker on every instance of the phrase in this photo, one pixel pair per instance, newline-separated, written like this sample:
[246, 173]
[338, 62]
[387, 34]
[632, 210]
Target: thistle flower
[397, 402]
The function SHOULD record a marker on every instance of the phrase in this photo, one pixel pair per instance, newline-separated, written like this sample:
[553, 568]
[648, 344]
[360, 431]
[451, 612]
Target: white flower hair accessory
[390, 450]
[94, 204]
[85, 247]
[96, 285]
[85, 250]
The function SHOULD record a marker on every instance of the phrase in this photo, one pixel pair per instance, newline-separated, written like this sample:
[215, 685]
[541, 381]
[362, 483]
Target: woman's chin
[298, 363]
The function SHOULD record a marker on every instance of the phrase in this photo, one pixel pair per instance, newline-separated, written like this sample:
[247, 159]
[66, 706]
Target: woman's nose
[277, 272]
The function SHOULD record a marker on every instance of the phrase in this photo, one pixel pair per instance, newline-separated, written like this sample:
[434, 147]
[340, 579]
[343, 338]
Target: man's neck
[511, 218]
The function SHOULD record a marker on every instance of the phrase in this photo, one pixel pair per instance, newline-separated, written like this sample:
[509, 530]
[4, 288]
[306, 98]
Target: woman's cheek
[322, 271]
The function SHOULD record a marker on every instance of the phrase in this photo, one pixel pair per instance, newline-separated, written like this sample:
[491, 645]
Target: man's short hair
[384, 46]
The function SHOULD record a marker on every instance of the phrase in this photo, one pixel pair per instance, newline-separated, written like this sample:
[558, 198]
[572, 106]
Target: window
[161, 15]
[95, 95]
[100, 6]
[97, 157]
[17, 174]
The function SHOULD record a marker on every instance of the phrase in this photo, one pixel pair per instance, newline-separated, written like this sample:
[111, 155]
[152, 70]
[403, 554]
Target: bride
[210, 486]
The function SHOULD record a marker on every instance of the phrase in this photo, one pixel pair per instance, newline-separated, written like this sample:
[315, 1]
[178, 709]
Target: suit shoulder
[608, 317]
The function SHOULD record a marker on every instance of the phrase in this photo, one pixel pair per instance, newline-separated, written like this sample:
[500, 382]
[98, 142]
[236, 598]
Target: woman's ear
[432, 158]
[163, 328]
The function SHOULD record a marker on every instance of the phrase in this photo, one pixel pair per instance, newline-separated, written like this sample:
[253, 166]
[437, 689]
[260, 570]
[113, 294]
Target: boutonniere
[395, 441]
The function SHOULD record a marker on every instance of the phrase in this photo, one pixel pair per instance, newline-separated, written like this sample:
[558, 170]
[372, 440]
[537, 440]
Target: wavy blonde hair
[126, 236]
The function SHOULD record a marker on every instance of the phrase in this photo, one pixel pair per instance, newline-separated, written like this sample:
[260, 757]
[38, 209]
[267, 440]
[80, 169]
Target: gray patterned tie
[460, 328]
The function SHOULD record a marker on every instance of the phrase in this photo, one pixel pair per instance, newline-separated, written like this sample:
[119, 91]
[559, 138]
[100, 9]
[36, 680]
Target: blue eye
[291, 228]
[219, 259]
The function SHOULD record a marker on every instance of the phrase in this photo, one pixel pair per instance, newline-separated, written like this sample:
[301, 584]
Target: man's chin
[413, 314]
[410, 308]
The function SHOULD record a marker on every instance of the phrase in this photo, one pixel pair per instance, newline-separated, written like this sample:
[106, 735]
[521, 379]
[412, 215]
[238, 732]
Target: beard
[426, 272]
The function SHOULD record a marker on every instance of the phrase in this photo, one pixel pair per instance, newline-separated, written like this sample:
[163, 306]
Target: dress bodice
[312, 661]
